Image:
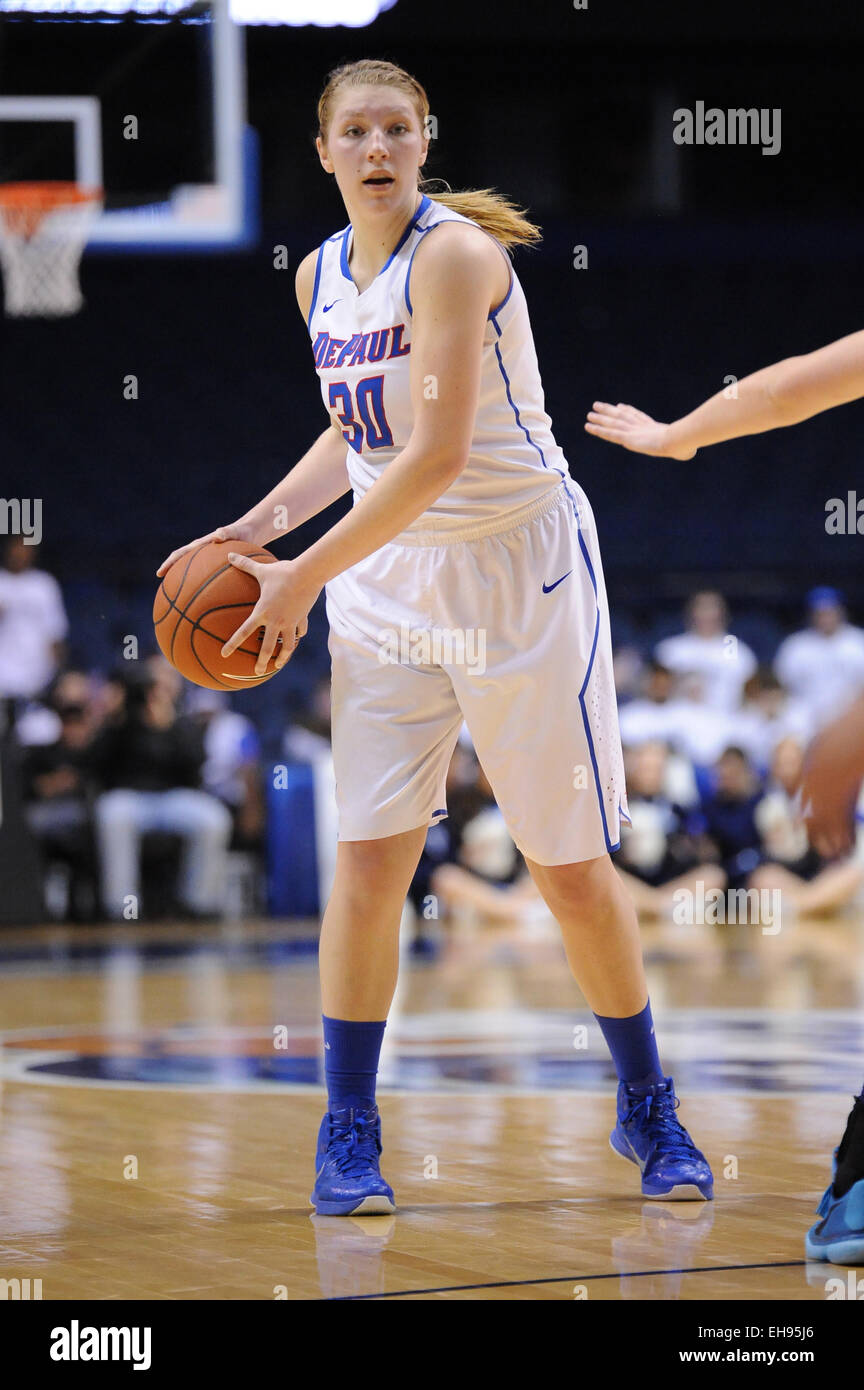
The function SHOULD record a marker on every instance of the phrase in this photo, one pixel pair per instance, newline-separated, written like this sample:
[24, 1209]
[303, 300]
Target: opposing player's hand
[282, 611]
[634, 430]
[236, 531]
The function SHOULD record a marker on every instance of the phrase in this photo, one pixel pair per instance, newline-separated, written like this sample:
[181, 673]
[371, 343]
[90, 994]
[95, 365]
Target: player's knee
[366, 867]
[579, 886]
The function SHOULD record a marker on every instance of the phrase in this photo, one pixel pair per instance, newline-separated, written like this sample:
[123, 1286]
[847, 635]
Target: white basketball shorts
[507, 628]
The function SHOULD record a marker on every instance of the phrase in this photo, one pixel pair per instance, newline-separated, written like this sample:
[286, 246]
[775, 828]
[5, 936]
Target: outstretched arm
[782, 394]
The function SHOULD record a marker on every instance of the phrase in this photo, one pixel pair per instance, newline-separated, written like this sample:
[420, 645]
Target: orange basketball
[201, 601]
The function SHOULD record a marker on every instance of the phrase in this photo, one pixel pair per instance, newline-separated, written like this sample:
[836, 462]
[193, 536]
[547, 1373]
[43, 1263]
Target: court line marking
[17, 1073]
[16, 1069]
[565, 1279]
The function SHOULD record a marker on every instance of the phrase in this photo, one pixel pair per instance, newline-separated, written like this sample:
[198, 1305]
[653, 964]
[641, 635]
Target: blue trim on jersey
[424, 204]
[499, 307]
[527, 433]
[318, 265]
[514, 406]
[492, 312]
[343, 254]
[408, 303]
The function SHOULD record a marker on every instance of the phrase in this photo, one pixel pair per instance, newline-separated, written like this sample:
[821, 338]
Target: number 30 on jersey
[362, 414]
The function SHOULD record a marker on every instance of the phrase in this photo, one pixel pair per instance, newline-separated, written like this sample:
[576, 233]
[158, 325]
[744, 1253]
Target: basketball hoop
[43, 229]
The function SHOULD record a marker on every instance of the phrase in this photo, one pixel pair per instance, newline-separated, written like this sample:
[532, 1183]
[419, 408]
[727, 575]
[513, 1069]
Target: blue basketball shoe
[649, 1134]
[348, 1181]
[838, 1235]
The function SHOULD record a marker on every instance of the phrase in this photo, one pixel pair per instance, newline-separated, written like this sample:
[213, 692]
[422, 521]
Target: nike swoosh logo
[327, 307]
[547, 588]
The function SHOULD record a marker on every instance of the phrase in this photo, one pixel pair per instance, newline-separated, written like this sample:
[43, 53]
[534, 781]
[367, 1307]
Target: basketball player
[784, 394]
[465, 521]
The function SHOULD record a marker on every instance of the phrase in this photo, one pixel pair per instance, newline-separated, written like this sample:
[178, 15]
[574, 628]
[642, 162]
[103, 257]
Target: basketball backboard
[82, 96]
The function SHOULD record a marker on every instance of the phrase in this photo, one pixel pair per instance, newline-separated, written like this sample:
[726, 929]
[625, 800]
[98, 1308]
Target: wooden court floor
[160, 1097]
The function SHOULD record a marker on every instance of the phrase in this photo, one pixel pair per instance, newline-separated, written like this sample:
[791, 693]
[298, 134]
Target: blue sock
[351, 1053]
[634, 1049]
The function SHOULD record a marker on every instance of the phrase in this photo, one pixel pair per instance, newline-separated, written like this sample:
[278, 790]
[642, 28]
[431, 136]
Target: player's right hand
[634, 430]
[236, 531]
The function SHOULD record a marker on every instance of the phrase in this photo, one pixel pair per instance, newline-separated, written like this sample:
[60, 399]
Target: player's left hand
[634, 430]
[282, 610]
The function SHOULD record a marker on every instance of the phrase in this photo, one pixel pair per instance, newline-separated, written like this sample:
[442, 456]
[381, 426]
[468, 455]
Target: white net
[43, 229]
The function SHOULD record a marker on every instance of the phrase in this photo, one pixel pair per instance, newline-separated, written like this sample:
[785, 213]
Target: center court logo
[76, 1343]
[433, 646]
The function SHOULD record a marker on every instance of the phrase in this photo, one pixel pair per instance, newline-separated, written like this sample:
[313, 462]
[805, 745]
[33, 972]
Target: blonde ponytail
[492, 211]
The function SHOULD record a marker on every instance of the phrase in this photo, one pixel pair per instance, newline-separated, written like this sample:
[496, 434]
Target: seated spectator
[728, 815]
[661, 851]
[232, 762]
[823, 665]
[658, 715]
[807, 882]
[707, 650]
[470, 866]
[39, 721]
[490, 878]
[628, 672]
[768, 716]
[465, 799]
[148, 763]
[650, 714]
[167, 680]
[33, 624]
[58, 796]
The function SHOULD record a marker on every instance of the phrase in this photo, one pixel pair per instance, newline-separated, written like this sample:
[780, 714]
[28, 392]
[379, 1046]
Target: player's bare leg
[600, 930]
[359, 947]
[601, 939]
[359, 957]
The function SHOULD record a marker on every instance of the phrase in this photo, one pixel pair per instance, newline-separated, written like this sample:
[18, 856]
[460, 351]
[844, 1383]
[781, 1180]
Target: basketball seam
[196, 623]
[222, 684]
[172, 602]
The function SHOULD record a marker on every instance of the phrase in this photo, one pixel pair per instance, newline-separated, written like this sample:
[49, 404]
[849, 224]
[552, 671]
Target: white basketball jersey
[362, 346]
